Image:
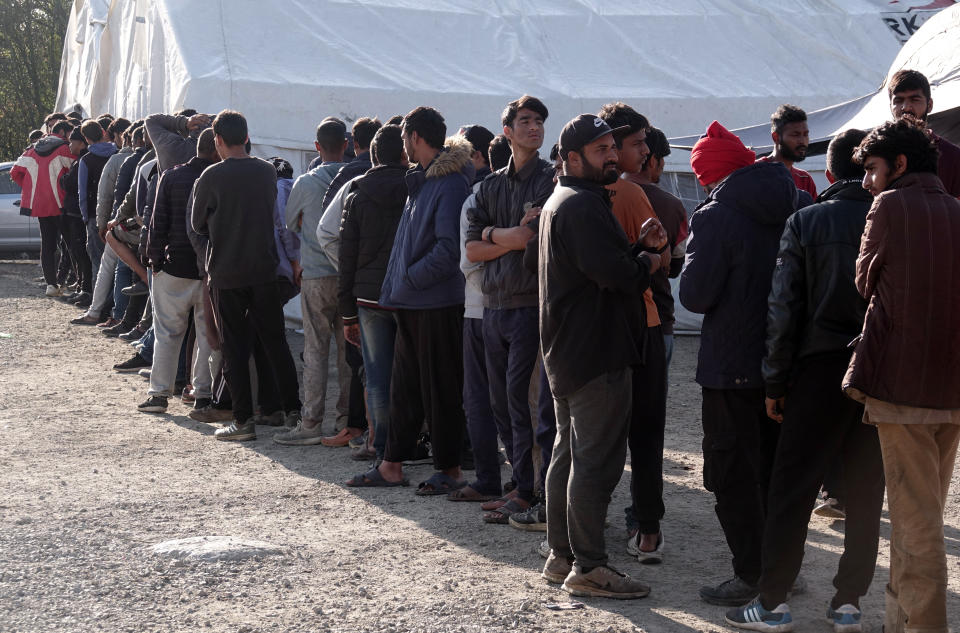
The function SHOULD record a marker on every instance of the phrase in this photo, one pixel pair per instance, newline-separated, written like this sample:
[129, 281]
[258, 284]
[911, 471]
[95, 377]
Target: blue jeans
[378, 330]
[481, 426]
[511, 340]
[122, 278]
[94, 245]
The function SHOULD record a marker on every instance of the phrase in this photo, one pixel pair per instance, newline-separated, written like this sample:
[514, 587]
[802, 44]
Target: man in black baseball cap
[591, 282]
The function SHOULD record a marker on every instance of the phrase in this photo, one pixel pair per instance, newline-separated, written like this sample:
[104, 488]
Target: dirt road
[89, 485]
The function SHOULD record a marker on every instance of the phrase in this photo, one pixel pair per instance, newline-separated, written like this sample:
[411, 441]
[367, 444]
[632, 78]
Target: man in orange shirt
[632, 209]
[791, 138]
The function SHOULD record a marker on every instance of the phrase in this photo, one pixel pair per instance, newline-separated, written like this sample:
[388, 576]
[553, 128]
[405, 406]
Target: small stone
[489, 610]
[216, 548]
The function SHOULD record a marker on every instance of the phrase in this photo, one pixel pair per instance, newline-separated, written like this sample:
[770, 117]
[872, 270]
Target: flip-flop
[439, 484]
[469, 493]
[373, 479]
[501, 515]
[497, 503]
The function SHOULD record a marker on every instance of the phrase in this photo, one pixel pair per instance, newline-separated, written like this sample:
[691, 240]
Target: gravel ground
[90, 485]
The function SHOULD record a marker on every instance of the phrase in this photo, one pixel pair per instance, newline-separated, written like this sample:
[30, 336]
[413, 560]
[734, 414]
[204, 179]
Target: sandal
[501, 515]
[373, 479]
[439, 484]
[469, 493]
[496, 503]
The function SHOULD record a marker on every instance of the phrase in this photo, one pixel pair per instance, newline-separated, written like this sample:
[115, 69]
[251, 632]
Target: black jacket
[371, 214]
[591, 287]
[814, 307]
[500, 201]
[734, 238]
[357, 167]
[71, 189]
[168, 248]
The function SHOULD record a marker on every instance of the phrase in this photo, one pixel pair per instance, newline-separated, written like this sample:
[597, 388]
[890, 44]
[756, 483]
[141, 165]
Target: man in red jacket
[38, 173]
[904, 368]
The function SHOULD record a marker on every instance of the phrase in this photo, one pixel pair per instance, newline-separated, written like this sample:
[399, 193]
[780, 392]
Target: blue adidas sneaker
[754, 617]
[845, 619]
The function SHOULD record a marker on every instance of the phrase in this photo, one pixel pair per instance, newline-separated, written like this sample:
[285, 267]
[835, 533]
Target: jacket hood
[384, 184]
[48, 144]
[103, 149]
[848, 189]
[325, 172]
[763, 191]
[453, 158]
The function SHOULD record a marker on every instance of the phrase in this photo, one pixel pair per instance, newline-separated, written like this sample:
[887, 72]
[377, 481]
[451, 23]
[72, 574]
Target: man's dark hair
[619, 115]
[187, 112]
[92, 131]
[396, 119]
[55, 116]
[904, 80]
[119, 126]
[526, 101]
[363, 130]
[840, 161]
[428, 123]
[138, 135]
[387, 145]
[205, 143]
[75, 116]
[35, 135]
[786, 114]
[555, 152]
[479, 138]
[905, 136]
[499, 152]
[62, 128]
[657, 143]
[283, 167]
[231, 126]
[331, 133]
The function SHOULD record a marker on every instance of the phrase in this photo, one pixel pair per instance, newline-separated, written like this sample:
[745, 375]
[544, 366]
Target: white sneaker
[54, 291]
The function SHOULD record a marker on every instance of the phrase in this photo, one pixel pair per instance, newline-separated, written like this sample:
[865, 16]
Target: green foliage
[31, 44]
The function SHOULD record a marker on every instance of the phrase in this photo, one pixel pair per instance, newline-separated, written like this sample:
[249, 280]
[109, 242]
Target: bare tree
[31, 44]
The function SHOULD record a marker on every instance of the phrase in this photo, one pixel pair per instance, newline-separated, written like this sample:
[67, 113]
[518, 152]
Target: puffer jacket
[38, 172]
[909, 269]
[370, 218]
[734, 238]
[500, 202]
[357, 167]
[814, 307]
[424, 268]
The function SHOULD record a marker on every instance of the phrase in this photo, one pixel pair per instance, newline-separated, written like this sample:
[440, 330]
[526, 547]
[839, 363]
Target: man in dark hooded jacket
[370, 217]
[731, 253]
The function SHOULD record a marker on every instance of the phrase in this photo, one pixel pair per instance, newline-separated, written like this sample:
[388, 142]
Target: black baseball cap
[584, 130]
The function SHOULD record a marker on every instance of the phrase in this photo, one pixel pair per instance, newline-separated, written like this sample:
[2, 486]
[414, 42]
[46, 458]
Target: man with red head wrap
[731, 252]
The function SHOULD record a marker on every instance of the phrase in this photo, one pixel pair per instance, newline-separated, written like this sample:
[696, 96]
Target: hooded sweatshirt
[731, 253]
[88, 175]
[424, 268]
[38, 172]
[303, 212]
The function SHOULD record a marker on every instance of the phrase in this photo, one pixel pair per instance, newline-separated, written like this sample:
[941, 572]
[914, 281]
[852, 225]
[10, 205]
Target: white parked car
[18, 233]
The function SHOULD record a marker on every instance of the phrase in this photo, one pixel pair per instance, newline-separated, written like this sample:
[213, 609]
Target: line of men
[475, 287]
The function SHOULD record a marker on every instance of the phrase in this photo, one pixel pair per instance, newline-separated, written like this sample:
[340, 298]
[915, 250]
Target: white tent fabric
[286, 65]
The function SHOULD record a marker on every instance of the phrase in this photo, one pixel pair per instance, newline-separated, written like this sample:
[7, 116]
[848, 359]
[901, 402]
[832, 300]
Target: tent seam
[226, 56]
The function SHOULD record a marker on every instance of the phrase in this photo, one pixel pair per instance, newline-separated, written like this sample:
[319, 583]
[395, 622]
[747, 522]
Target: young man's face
[633, 152]
[912, 102]
[526, 131]
[880, 173]
[77, 146]
[793, 141]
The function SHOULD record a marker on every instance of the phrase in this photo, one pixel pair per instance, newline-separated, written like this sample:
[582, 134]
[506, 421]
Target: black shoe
[730, 593]
[116, 330]
[132, 365]
[153, 404]
[136, 289]
[202, 403]
[84, 299]
[133, 335]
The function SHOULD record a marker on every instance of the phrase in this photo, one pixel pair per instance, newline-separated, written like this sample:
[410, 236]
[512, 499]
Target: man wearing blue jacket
[734, 237]
[424, 285]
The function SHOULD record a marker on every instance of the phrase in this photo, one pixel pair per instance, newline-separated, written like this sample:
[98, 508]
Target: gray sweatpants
[588, 458]
[172, 299]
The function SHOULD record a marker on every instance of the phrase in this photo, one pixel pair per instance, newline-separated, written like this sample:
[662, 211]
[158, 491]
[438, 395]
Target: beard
[792, 155]
[605, 175]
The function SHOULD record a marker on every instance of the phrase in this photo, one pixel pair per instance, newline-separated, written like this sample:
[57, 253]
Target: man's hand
[775, 409]
[103, 233]
[652, 234]
[111, 224]
[297, 272]
[198, 122]
[352, 334]
[532, 213]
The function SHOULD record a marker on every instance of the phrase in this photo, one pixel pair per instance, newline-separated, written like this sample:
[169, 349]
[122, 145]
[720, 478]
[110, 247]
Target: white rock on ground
[216, 548]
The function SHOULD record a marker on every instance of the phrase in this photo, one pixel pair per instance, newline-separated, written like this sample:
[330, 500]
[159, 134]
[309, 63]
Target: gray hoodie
[306, 203]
